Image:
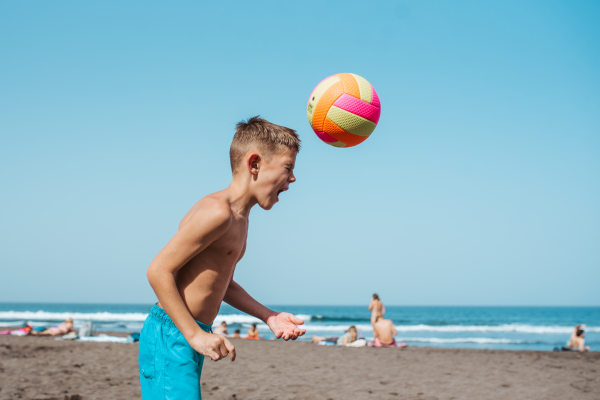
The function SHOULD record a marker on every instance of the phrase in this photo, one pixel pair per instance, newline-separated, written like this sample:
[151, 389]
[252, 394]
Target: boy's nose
[292, 178]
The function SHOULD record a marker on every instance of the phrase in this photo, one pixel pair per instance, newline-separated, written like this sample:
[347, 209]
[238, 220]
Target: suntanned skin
[384, 330]
[221, 329]
[252, 332]
[193, 273]
[377, 309]
[578, 342]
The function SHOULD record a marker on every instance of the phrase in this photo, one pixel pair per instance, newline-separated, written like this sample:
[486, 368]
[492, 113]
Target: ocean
[512, 328]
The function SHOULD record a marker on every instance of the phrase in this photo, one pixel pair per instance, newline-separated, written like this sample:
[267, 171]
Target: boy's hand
[212, 345]
[284, 325]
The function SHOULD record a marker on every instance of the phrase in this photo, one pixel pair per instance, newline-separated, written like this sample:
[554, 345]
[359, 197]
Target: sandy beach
[43, 368]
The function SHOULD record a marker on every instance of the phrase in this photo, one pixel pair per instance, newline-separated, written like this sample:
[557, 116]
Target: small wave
[322, 318]
[35, 318]
[468, 340]
[516, 328]
[61, 316]
[519, 328]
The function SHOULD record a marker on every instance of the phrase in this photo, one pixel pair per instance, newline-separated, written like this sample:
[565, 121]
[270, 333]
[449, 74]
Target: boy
[193, 273]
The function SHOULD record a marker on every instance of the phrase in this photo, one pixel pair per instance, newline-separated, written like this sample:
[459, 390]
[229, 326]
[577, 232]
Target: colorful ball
[343, 110]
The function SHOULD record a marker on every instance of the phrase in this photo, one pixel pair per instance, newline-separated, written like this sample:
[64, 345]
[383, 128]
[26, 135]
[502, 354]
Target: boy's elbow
[152, 275]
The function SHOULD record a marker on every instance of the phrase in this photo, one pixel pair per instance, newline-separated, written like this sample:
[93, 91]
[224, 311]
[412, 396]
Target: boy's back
[193, 273]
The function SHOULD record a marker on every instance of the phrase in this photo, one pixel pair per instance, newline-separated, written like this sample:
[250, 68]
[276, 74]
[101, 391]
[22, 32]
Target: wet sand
[42, 368]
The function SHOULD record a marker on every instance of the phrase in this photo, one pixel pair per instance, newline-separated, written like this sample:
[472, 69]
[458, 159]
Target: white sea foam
[54, 316]
[135, 320]
[519, 328]
[43, 316]
[464, 340]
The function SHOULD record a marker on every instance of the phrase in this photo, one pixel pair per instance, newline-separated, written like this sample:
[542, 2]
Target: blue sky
[480, 185]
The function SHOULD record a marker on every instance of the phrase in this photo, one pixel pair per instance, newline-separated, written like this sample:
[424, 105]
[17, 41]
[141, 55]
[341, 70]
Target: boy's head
[266, 153]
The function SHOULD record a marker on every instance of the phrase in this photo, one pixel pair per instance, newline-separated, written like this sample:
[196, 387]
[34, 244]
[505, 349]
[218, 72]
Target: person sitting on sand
[376, 307]
[221, 329]
[344, 340]
[383, 333]
[252, 333]
[62, 329]
[577, 340]
[236, 334]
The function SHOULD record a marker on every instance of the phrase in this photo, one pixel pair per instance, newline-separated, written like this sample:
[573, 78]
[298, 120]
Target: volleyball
[343, 110]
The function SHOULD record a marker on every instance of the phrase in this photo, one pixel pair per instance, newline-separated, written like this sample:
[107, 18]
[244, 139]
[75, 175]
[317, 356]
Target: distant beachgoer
[222, 329]
[236, 334]
[344, 340]
[384, 332]
[62, 329]
[376, 307]
[23, 331]
[577, 340]
[252, 333]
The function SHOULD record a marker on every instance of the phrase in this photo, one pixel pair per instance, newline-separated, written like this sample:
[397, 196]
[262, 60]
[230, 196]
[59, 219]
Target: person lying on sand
[62, 329]
[236, 334]
[344, 340]
[383, 333]
[221, 329]
[23, 331]
[252, 333]
[577, 340]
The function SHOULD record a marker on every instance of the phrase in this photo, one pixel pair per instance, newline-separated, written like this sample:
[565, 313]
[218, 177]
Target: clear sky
[480, 185]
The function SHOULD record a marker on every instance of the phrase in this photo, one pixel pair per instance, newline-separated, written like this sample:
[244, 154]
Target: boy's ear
[253, 163]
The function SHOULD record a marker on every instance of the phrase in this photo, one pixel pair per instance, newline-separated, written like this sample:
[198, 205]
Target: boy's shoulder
[212, 212]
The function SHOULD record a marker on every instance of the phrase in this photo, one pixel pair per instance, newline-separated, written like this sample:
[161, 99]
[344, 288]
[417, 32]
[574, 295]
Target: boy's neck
[240, 197]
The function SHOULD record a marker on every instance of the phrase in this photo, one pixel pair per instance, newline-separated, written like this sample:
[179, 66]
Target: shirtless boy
[193, 273]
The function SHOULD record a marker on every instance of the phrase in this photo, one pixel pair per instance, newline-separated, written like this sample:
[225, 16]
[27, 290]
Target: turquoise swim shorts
[169, 368]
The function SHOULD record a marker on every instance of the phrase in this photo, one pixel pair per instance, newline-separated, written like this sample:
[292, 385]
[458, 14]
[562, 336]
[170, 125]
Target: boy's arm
[282, 324]
[203, 228]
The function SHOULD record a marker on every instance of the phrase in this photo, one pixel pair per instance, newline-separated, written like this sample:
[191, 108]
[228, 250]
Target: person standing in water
[377, 308]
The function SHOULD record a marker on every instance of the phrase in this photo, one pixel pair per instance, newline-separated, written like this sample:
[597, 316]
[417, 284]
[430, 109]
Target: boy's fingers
[230, 348]
[215, 356]
[297, 321]
[223, 349]
[302, 332]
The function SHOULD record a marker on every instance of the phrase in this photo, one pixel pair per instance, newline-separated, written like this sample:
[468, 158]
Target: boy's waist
[161, 315]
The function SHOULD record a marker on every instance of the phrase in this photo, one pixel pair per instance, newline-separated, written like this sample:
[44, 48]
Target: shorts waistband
[161, 315]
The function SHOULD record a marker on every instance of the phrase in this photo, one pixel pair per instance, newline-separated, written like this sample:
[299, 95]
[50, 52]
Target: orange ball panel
[350, 84]
[343, 136]
[326, 101]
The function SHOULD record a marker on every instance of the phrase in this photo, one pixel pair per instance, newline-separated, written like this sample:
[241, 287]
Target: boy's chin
[267, 205]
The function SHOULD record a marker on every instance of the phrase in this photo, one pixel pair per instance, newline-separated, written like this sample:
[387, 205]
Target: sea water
[514, 328]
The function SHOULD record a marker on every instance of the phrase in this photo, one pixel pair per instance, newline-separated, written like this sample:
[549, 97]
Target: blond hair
[262, 135]
[353, 334]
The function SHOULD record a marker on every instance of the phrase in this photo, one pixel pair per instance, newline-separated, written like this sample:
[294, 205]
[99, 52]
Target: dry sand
[42, 368]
